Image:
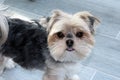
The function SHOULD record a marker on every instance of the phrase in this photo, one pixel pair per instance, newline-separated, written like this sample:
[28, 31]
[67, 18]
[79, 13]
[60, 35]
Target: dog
[56, 44]
[70, 40]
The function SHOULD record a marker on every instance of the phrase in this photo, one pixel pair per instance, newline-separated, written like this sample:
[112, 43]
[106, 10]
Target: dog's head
[71, 37]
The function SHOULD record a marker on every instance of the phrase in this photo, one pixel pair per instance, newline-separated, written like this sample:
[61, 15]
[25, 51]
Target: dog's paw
[10, 64]
[75, 77]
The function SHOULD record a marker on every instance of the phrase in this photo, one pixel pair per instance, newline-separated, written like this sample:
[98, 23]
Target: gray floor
[104, 63]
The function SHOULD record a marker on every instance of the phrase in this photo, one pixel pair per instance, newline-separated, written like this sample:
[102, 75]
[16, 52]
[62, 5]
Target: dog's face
[71, 37]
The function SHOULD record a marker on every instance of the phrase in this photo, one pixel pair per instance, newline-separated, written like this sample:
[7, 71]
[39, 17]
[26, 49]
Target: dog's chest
[70, 69]
[66, 69]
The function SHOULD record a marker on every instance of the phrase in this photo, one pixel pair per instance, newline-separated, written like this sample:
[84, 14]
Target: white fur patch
[10, 64]
[75, 77]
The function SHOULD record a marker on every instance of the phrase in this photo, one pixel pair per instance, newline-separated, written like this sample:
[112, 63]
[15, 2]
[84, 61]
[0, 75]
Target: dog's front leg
[51, 74]
[51, 77]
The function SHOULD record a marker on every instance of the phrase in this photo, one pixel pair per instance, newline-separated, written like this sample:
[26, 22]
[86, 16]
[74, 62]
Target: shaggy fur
[26, 43]
[69, 37]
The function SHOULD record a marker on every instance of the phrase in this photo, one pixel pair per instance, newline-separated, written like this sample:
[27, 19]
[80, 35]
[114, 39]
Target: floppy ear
[48, 22]
[91, 20]
[44, 21]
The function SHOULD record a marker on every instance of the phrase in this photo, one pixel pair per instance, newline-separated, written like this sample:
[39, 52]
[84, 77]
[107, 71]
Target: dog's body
[58, 49]
[26, 43]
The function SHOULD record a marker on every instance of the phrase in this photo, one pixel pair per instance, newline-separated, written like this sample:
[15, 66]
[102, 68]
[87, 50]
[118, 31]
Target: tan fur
[68, 23]
[65, 23]
[84, 15]
[4, 29]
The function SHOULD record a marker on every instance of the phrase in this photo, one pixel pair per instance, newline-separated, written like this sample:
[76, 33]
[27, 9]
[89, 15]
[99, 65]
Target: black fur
[91, 26]
[26, 43]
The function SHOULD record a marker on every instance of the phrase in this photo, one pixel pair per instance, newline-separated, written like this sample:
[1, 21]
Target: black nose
[69, 43]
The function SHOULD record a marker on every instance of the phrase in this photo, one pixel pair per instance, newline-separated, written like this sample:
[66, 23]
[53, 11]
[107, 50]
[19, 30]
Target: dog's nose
[69, 43]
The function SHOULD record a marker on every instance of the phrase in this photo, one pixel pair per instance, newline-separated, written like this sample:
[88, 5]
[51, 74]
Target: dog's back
[26, 43]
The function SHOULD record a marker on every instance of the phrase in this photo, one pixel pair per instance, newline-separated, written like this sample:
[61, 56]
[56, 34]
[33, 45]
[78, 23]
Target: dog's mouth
[70, 49]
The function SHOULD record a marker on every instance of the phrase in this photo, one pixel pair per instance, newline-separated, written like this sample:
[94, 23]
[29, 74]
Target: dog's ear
[56, 16]
[48, 22]
[91, 20]
[44, 21]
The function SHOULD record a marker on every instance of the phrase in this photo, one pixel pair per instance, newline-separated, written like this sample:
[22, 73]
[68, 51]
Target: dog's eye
[79, 34]
[60, 35]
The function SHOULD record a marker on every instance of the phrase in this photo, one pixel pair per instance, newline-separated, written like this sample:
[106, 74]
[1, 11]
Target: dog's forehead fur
[60, 20]
[69, 23]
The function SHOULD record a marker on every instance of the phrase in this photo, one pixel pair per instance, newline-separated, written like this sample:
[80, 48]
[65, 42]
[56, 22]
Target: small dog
[70, 39]
[58, 49]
